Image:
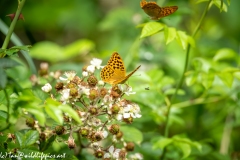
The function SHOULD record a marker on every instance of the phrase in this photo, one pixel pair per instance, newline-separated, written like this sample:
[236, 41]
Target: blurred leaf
[31, 137]
[207, 78]
[53, 110]
[151, 28]
[38, 114]
[131, 134]
[3, 78]
[183, 39]
[225, 54]
[47, 51]
[170, 34]
[71, 112]
[191, 78]
[226, 77]
[171, 91]
[200, 1]
[82, 46]
[7, 63]
[162, 143]
[185, 148]
[45, 144]
[15, 49]
[218, 4]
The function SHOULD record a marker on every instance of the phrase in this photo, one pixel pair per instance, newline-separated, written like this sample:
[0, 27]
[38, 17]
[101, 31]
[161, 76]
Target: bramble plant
[183, 103]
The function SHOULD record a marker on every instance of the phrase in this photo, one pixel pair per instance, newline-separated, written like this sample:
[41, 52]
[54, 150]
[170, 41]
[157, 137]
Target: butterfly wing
[114, 71]
[165, 11]
[151, 9]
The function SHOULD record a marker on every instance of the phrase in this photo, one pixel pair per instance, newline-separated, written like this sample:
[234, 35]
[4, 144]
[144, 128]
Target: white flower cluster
[91, 99]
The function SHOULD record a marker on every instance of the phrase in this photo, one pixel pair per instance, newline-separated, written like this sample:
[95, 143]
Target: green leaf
[3, 115]
[15, 49]
[170, 34]
[45, 144]
[77, 47]
[39, 114]
[151, 28]
[19, 138]
[171, 91]
[207, 78]
[225, 54]
[218, 4]
[48, 51]
[3, 78]
[182, 39]
[7, 63]
[132, 134]
[53, 110]
[200, 1]
[191, 78]
[30, 138]
[226, 77]
[72, 113]
[162, 143]
[185, 148]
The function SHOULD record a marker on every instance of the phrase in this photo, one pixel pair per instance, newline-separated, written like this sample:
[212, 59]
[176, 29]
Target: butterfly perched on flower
[155, 11]
[114, 72]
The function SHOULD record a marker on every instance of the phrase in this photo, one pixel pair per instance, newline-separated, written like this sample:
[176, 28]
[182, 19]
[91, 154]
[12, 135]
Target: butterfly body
[114, 72]
[156, 12]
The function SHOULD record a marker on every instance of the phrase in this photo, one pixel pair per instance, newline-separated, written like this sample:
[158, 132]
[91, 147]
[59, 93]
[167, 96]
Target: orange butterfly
[114, 72]
[156, 12]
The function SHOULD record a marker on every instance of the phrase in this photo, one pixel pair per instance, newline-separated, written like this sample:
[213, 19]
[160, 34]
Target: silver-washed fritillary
[114, 72]
[155, 11]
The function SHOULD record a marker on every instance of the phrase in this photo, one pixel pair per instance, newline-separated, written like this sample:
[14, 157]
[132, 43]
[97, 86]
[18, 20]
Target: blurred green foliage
[205, 116]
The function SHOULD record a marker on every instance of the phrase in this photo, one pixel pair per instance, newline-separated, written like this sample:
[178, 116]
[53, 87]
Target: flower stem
[12, 26]
[166, 134]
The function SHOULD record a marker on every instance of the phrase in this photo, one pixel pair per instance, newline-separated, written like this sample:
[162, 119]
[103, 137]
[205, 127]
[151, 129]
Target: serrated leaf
[31, 137]
[19, 138]
[71, 112]
[151, 28]
[3, 78]
[170, 34]
[8, 63]
[226, 77]
[225, 54]
[131, 134]
[162, 143]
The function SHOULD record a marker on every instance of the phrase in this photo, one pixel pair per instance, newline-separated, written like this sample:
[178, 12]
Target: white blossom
[65, 95]
[68, 76]
[85, 74]
[113, 153]
[96, 63]
[47, 87]
[91, 68]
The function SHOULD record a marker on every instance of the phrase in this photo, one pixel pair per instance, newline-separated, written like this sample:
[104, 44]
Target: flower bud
[119, 135]
[30, 122]
[84, 132]
[59, 86]
[92, 81]
[114, 129]
[59, 130]
[71, 143]
[99, 154]
[93, 110]
[129, 146]
[93, 94]
[115, 109]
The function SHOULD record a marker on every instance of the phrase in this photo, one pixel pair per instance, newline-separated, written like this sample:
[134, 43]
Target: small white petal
[91, 69]
[111, 149]
[85, 74]
[47, 87]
